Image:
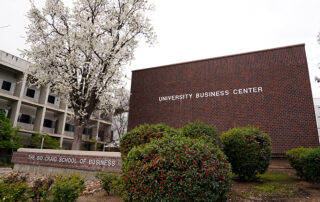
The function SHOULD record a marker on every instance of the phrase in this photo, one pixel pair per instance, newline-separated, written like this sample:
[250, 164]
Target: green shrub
[176, 169]
[13, 192]
[248, 150]
[294, 158]
[48, 143]
[200, 130]
[13, 187]
[141, 135]
[311, 165]
[111, 181]
[40, 190]
[9, 137]
[67, 188]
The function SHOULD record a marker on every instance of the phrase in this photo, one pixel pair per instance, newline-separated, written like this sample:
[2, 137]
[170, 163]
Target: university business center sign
[268, 88]
[209, 94]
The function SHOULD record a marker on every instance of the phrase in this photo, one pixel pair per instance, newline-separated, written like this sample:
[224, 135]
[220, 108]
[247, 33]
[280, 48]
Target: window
[6, 85]
[48, 123]
[69, 127]
[30, 92]
[51, 99]
[86, 131]
[25, 118]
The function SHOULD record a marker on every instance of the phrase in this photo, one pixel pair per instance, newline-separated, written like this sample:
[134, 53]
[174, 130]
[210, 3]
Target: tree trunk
[77, 136]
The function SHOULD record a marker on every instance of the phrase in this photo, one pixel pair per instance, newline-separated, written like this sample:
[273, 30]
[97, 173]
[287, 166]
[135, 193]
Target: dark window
[6, 85]
[69, 127]
[86, 131]
[30, 92]
[24, 118]
[48, 123]
[51, 99]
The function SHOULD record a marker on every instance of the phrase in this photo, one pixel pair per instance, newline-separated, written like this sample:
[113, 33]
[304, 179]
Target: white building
[316, 102]
[37, 110]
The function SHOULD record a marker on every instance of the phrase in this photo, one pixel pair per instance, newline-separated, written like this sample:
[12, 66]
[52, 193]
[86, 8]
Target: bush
[13, 192]
[48, 143]
[311, 165]
[13, 187]
[248, 150]
[294, 158]
[40, 190]
[67, 188]
[200, 130]
[141, 135]
[111, 181]
[9, 137]
[176, 169]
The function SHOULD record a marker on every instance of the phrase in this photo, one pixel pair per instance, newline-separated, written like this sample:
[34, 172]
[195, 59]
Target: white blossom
[79, 52]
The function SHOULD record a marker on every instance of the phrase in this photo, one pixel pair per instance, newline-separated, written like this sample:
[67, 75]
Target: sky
[197, 29]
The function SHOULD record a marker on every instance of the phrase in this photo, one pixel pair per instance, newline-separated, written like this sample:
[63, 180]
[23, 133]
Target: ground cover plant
[143, 134]
[248, 149]
[176, 168]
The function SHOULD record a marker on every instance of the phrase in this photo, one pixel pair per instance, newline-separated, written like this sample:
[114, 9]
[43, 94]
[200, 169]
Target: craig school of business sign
[199, 95]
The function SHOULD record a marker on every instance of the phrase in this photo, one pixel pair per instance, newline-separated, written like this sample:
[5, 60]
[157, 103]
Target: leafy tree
[8, 135]
[48, 142]
[79, 52]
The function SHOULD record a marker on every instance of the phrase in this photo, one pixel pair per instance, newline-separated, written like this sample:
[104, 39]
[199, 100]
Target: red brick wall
[284, 109]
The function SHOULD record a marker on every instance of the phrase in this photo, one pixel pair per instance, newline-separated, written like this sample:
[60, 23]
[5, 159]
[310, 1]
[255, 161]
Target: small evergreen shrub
[248, 150]
[142, 135]
[294, 158]
[67, 188]
[311, 165]
[176, 168]
[111, 181]
[200, 130]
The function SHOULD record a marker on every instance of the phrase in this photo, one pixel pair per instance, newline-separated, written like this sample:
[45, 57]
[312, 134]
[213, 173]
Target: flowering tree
[120, 116]
[79, 53]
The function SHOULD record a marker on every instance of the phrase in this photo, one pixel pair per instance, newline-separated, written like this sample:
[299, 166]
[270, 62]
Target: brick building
[269, 89]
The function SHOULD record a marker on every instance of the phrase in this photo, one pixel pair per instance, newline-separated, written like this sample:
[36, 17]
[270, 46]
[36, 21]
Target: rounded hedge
[176, 169]
[311, 165]
[142, 134]
[200, 130]
[248, 149]
[294, 158]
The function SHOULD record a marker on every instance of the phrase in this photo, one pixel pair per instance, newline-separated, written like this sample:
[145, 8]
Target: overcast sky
[197, 29]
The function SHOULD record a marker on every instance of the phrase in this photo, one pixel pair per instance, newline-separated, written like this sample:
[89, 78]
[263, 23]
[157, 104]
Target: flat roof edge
[219, 57]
